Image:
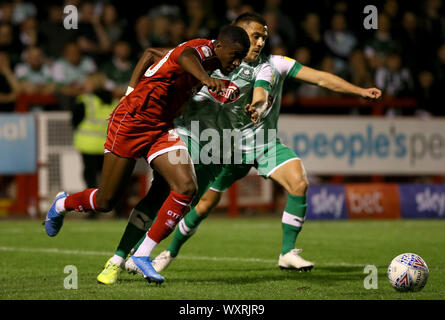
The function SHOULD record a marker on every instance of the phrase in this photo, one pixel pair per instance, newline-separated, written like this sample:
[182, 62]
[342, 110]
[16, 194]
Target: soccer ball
[408, 272]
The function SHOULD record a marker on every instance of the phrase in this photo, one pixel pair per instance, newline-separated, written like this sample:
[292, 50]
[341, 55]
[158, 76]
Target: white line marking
[103, 253]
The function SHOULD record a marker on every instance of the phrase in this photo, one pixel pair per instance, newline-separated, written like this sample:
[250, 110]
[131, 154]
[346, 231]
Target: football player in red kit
[142, 126]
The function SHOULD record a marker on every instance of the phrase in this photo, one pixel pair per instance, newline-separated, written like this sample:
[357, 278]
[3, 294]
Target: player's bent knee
[298, 186]
[188, 188]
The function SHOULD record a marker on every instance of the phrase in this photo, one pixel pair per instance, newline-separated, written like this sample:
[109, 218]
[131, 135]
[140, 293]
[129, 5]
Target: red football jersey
[166, 87]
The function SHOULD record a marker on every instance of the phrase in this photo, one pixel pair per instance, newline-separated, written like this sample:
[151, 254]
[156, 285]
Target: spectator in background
[6, 12]
[339, 42]
[439, 66]
[119, 68]
[234, 8]
[358, 70]
[34, 75]
[394, 80]
[52, 28]
[69, 73]
[23, 10]
[381, 43]
[90, 122]
[9, 86]
[177, 32]
[200, 21]
[274, 37]
[285, 27]
[391, 10]
[433, 24]
[310, 91]
[162, 16]
[411, 40]
[160, 32]
[9, 44]
[91, 36]
[427, 95]
[113, 26]
[141, 36]
[311, 37]
[279, 50]
[291, 88]
[303, 56]
[30, 35]
[341, 6]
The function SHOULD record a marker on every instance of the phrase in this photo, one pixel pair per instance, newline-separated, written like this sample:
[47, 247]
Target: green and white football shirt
[211, 118]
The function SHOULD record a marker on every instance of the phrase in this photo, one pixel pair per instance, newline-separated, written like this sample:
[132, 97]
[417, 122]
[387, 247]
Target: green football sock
[292, 222]
[131, 235]
[141, 219]
[192, 220]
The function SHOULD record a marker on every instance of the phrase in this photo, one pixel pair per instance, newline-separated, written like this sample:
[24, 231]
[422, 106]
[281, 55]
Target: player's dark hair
[234, 34]
[250, 17]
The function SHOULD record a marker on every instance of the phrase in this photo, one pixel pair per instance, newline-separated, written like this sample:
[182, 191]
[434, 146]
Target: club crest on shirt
[246, 74]
[230, 94]
[206, 51]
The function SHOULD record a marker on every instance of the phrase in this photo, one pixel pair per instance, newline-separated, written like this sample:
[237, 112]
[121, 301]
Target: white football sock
[117, 260]
[60, 205]
[145, 248]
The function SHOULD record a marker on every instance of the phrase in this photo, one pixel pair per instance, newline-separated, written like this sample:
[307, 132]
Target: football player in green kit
[250, 107]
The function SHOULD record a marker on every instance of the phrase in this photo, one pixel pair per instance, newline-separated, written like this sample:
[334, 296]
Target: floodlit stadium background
[364, 160]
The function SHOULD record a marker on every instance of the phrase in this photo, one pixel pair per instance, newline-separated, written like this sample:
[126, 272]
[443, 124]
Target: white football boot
[292, 260]
[162, 261]
[132, 268]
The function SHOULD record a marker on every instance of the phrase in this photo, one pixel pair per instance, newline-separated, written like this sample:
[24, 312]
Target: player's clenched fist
[214, 84]
[371, 93]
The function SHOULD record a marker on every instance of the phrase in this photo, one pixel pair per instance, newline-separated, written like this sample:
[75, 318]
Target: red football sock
[82, 201]
[171, 212]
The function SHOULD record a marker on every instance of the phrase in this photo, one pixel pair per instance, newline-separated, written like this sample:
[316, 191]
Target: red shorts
[130, 135]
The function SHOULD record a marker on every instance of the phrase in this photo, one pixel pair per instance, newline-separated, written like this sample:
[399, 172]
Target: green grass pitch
[227, 259]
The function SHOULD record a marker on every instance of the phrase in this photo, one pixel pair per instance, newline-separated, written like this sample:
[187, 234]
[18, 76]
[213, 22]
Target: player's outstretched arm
[332, 82]
[190, 62]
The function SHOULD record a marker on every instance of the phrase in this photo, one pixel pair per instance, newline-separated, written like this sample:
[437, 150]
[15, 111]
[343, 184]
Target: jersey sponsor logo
[230, 93]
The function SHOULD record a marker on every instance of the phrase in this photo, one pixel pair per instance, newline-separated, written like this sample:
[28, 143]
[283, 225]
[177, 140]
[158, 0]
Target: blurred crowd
[404, 56]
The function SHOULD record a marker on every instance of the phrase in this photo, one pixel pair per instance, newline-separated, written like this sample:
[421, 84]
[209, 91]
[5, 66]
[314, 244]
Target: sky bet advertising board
[18, 150]
[375, 201]
[366, 145]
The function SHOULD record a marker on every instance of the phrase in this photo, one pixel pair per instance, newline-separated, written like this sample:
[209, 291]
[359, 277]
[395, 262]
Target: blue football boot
[145, 267]
[54, 220]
